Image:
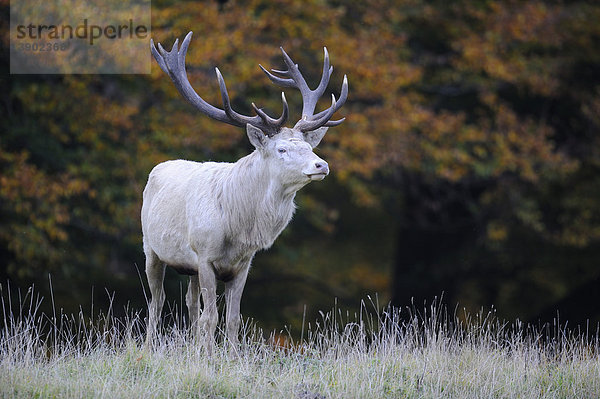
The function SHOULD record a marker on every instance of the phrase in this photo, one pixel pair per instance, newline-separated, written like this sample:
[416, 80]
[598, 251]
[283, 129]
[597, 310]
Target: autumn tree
[467, 164]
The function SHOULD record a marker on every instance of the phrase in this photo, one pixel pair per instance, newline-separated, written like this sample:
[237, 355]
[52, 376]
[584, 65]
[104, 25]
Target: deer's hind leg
[207, 323]
[155, 272]
[192, 300]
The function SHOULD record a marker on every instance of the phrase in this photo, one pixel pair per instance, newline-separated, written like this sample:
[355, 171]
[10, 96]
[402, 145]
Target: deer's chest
[232, 259]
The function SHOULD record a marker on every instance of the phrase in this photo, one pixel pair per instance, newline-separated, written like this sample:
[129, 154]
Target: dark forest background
[469, 163]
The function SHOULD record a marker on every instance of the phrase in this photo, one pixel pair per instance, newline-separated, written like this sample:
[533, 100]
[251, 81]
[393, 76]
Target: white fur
[210, 218]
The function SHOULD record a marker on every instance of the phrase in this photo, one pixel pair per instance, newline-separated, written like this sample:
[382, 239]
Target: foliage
[469, 155]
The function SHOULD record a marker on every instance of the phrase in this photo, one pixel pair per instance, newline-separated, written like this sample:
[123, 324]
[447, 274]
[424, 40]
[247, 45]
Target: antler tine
[241, 119]
[327, 71]
[173, 63]
[277, 122]
[159, 59]
[309, 124]
[335, 123]
[338, 104]
[277, 80]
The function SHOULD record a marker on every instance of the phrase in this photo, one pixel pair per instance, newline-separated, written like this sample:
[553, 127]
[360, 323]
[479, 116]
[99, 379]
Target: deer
[208, 219]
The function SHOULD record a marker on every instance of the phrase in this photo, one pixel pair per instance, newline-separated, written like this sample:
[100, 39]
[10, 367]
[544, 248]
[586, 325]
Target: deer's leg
[192, 300]
[208, 320]
[155, 272]
[233, 296]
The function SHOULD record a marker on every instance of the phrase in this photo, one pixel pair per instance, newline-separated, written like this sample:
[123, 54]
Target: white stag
[207, 220]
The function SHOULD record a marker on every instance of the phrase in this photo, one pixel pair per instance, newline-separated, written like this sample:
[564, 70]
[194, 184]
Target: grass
[372, 354]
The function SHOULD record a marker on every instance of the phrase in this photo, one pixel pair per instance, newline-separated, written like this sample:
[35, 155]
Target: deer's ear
[314, 137]
[257, 138]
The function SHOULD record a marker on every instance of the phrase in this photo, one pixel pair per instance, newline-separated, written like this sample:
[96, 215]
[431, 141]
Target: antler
[173, 63]
[293, 78]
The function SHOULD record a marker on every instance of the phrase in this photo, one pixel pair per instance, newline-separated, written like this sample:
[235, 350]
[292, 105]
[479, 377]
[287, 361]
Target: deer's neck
[260, 206]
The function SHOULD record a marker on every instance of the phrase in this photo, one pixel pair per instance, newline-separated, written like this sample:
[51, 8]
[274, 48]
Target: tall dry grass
[371, 354]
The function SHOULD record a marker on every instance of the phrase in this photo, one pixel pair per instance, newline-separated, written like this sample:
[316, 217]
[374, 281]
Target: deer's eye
[281, 150]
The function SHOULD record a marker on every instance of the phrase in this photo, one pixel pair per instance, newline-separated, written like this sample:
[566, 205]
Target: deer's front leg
[233, 296]
[208, 320]
[192, 300]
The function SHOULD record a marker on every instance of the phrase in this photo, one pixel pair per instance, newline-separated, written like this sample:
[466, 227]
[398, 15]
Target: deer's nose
[322, 167]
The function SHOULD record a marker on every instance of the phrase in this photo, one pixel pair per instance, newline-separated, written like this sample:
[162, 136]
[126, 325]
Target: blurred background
[469, 163]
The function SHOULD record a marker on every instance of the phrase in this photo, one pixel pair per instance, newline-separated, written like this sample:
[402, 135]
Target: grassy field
[373, 354]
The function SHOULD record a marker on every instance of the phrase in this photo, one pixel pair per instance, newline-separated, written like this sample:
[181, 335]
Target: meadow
[373, 353]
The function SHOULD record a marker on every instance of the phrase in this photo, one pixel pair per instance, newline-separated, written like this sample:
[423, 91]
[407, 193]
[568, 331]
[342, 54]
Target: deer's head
[291, 148]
